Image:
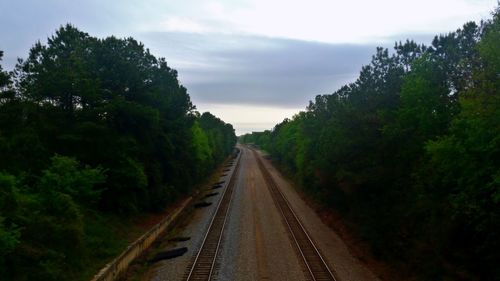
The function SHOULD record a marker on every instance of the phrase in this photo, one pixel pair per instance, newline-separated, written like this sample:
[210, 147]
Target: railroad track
[202, 268]
[314, 265]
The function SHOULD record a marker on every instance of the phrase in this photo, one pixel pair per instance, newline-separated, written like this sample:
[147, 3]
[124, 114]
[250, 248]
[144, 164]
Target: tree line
[92, 128]
[409, 153]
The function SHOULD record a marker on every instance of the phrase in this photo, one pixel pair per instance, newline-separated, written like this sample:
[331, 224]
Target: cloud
[355, 21]
[232, 69]
[248, 118]
[257, 53]
[177, 24]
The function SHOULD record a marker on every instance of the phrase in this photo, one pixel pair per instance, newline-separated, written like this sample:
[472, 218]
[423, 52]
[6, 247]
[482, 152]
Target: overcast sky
[250, 62]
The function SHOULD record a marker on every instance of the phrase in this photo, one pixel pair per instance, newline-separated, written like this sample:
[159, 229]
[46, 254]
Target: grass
[108, 235]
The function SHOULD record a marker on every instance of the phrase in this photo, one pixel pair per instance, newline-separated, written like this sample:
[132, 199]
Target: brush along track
[203, 265]
[313, 263]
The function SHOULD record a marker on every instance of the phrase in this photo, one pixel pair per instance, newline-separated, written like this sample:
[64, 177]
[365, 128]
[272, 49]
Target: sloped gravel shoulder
[195, 227]
[347, 267]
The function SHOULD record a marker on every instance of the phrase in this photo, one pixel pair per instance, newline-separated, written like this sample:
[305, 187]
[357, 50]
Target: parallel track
[204, 263]
[314, 264]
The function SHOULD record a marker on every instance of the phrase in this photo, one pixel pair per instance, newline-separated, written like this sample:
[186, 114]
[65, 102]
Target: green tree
[9, 232]
[408, 153]
[78, 102]
[465, 166]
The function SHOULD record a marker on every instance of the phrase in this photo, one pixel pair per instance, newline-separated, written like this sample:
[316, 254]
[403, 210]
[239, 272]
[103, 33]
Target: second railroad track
[314, 265]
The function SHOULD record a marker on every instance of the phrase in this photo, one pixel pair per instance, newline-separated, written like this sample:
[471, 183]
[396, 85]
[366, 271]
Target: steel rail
[315, 265]
[203, 265]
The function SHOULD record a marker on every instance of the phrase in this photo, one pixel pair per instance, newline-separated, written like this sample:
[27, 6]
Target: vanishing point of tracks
[314, 264]
[204, 263]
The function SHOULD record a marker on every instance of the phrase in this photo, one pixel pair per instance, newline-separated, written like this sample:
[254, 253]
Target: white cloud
[208, 42]
[334, 21]
[356, 21]
[177, 24]
[249, 118]
[238, 113]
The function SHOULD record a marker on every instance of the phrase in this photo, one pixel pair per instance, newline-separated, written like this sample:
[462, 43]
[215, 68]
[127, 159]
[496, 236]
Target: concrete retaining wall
[113, 270]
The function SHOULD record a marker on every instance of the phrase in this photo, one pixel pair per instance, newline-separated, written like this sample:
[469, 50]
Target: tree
[408, 153]
[465, 165]
[92, 128]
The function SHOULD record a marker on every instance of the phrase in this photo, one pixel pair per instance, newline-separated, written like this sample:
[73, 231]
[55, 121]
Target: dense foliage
[410, 153]
[88, 127]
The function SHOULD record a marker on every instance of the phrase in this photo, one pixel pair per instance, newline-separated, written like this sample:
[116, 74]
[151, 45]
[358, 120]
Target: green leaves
[46, 223]
[201, 146]
[65, 176]
[9, 232]
[409, 153]
[426, 103]
[109, 102]
[89, 126]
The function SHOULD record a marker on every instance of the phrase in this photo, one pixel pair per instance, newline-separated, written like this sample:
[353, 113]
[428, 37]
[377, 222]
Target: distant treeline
[91, 127]
[410, 153]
